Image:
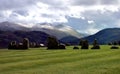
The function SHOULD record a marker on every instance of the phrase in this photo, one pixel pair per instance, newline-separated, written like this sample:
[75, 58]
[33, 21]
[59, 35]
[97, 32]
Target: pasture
[69, 61]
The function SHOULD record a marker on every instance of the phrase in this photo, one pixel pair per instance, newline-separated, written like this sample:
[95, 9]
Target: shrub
[61, 46]
[114, 47]
[75, 47]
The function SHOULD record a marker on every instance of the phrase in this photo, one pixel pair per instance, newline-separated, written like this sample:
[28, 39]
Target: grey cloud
[94, 2]
[47, 15]
[1, 14]
[52, 2]
[116, 14]
[77, 23]
[13, 4]
[21, 12]
[22, 4]
[107, 2]
[83, 2]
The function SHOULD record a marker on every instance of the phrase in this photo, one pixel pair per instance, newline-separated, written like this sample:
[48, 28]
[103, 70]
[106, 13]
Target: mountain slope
[60, 31]
[71, 40]
[10, 26]
[33, 36]
[105, 36]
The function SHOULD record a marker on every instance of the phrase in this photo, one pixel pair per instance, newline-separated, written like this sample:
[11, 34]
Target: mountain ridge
[105, 36]
[60, 31]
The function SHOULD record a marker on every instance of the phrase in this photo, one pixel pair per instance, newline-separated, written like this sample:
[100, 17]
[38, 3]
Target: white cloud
[90, 22]
[91, 31]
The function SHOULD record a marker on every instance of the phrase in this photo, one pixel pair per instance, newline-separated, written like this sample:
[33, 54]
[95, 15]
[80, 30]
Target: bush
[114, 47]
[61, 46]
[75, 47]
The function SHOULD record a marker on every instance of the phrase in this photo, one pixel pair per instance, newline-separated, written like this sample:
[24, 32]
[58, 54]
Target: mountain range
[65, 34]
[104, 36]
[38, 33]
[60, 31]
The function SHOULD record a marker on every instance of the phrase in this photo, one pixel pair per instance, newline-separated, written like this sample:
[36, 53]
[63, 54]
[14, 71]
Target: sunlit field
[69, 61]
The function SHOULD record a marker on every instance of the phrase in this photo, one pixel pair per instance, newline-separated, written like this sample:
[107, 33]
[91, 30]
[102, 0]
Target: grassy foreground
[69, 61]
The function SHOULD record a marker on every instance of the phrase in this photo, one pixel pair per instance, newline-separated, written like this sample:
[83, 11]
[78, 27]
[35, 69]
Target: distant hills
[105, 36]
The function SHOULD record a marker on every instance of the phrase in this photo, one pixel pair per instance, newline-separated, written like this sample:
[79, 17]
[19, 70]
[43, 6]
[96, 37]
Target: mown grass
[69, 61]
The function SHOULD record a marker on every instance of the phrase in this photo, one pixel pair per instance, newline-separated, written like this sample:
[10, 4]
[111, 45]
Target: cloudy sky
[86, 16]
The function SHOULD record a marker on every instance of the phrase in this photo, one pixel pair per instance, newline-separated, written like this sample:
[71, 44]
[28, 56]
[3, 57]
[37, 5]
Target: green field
[69, 61]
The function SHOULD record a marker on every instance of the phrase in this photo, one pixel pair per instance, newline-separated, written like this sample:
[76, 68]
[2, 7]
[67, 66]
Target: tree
[84, 44]
[52, 43]
[95, 45]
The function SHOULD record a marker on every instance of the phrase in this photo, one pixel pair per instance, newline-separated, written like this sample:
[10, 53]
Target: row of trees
[53, 43]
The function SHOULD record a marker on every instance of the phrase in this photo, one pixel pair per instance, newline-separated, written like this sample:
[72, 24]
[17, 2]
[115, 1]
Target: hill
[105, 36]
[71, 40]
[34, 36]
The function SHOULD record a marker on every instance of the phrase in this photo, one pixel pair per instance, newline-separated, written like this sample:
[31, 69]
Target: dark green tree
[52, 43]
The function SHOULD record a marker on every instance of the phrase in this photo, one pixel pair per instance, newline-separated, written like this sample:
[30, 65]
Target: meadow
[69, 61]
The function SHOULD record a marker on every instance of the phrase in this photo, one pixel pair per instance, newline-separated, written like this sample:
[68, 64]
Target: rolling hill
[105, 36]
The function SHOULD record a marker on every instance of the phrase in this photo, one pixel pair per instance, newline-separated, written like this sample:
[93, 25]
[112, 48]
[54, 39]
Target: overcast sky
[88, 16]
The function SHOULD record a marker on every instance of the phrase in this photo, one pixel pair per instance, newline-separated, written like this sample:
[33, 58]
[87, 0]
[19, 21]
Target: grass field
[69, 61]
